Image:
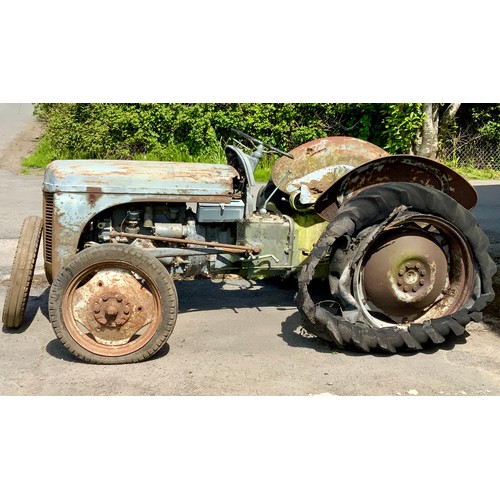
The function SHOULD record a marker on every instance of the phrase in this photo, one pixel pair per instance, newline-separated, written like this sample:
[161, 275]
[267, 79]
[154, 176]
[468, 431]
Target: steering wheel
[258, 141]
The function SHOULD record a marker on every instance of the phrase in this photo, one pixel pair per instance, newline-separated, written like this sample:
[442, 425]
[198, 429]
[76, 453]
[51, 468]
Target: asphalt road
[13, 117]
[234, 337]
[487, 212]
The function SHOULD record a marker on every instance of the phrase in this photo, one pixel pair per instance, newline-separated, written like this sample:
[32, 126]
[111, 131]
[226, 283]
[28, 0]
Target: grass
[42, 156]
[214, 155]
[45, 153]
[472, 173]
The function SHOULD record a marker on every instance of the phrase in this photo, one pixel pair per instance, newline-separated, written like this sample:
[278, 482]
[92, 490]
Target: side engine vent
[48, 211]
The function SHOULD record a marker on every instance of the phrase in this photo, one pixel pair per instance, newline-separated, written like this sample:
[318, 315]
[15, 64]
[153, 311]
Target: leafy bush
[195, 130]
[481, 119]
[199, 132]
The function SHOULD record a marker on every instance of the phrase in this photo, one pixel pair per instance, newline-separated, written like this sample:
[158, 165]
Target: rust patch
[112, 308]
[322, 154]
[404, 272]
[397, 168]
[93, 194]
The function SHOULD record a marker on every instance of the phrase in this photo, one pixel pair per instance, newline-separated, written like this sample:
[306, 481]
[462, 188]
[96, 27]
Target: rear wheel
[408, 266]
[113, 304]
[22, 272]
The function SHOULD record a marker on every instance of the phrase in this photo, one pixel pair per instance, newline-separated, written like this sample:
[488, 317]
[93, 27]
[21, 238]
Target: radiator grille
[48, 223]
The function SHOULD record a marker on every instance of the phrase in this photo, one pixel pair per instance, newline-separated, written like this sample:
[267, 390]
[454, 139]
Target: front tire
[113, 304]
[409, 266]
[23, 269]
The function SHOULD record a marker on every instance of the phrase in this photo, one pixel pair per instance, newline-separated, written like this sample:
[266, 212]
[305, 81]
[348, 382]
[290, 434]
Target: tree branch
[449, 114]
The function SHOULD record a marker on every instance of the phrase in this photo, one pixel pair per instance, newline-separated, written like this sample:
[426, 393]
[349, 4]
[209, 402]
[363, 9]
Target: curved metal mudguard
[319, 163]
[397, 168]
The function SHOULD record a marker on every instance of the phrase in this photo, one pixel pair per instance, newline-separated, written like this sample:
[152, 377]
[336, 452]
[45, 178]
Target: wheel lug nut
[97, 309]
[423, 272]
[111, 310]
[405, 288]
[415, 288]
[422, 281]
[400, 281]
[105, 298]
[417, 265]
[401, 271]
[119, 298]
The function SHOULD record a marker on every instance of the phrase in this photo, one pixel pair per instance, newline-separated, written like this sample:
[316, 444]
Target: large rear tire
[408, 267]
[113, 304]
[22, 272]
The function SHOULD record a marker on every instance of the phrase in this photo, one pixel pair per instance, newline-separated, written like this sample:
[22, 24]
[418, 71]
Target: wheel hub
[113, 307]
[413, 276]
[404, 273]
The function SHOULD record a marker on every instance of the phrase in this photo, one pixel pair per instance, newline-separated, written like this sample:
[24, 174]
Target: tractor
[400, 260]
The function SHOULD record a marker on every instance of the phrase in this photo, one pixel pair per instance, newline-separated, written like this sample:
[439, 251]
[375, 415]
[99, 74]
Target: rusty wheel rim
[416, 270]
[111, 309]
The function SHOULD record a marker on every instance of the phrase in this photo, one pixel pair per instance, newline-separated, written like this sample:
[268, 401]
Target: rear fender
[397, 168]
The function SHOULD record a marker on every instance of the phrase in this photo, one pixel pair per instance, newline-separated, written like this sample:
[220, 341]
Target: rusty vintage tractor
[402, 261]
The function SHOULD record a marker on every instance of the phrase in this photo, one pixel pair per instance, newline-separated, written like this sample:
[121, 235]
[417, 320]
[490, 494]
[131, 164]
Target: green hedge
[161, 131]
[198, 132]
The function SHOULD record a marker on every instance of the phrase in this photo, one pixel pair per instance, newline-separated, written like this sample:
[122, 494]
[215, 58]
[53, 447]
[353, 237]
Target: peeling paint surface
[319, 163]
[133, 307]
[397, 168]
[81, 189]
[315, 183]
[185, 180]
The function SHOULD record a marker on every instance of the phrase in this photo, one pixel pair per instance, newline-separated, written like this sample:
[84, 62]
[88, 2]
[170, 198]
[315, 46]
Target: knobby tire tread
[370, 207]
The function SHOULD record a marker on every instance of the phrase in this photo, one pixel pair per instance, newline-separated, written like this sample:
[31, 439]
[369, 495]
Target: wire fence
[471, 152]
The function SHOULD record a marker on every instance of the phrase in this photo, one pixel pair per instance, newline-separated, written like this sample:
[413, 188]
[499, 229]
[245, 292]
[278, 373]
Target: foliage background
[198, 132]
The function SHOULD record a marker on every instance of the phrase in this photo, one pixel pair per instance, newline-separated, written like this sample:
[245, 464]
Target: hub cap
[111, 311]
[405, 274]
[419, 268]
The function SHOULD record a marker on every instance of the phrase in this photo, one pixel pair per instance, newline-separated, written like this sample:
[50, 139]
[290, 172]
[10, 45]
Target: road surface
[13, 118]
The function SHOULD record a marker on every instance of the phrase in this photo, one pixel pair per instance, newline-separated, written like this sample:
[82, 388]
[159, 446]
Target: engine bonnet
[185, 180]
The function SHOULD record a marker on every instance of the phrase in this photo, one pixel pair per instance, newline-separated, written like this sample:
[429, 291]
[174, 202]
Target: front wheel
[23, 269]
[113, 304]
[408, 266]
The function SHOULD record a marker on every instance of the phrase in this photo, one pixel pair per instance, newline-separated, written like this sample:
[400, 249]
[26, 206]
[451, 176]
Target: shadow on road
[207, 295]
[56, 349]
[295, 336]
[492, 311]
[34, 304]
